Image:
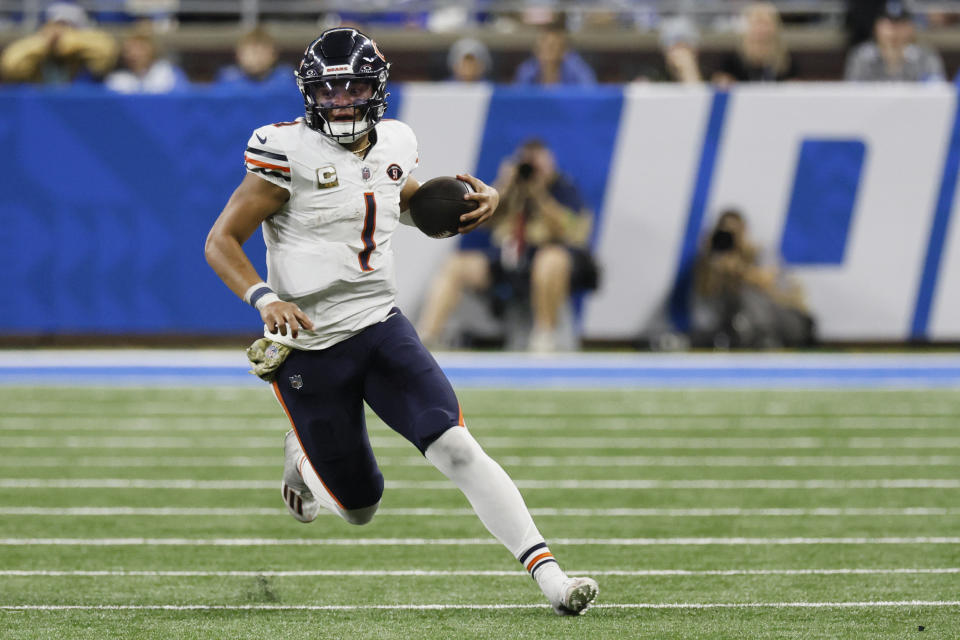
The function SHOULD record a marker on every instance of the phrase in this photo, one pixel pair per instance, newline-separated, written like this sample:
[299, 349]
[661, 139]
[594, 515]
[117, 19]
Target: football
[437, 205]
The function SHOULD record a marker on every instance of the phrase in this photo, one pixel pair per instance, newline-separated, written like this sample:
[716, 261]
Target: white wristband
[253, 287]
[259, 295]
[265, 299]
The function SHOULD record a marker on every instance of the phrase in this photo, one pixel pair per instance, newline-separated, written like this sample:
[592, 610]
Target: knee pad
[360, 516]
[454, 449]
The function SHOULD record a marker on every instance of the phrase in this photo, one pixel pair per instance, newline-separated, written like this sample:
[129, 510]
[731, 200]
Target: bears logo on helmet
[343, 60]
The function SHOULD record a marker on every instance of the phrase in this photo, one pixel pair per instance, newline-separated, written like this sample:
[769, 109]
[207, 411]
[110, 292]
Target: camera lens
[524, 170]
[721, 241]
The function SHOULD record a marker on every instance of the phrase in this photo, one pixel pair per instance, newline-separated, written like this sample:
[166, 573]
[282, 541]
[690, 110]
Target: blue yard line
[938, 231]
[528, 376]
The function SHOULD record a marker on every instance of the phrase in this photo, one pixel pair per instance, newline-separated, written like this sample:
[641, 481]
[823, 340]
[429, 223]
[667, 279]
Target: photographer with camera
[540, 233]
[736, 302]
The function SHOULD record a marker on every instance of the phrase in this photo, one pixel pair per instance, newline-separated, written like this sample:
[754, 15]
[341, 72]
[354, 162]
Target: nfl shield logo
[365, 172]
[296, 381]
[271, 351]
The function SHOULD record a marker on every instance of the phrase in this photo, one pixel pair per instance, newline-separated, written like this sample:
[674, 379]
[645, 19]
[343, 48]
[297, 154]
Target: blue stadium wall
[107, 199]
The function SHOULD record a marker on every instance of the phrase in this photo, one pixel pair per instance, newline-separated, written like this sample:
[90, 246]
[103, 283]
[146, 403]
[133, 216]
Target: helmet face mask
[342, 106]
[343, 80]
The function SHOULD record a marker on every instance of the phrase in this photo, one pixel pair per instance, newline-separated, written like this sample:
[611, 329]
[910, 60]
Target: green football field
[156, 513]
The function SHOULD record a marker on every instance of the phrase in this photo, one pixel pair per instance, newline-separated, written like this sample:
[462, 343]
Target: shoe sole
[580, 599]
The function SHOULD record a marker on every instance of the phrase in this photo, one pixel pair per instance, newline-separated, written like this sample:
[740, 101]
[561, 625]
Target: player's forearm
[225, 256]
[406, 193]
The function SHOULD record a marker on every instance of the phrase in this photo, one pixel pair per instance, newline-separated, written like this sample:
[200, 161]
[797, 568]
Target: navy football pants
[323, 393]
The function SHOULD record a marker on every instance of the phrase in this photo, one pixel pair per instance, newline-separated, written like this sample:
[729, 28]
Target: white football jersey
[329, 247]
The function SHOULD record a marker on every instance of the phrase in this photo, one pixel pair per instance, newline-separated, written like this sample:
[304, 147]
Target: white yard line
[495, 442]
[373, 542]
[430, 573]
[144, 511]
[160, 426]
[242, 404]
[273, 462]
[124, 462]
[539, 512]
[136, 442]
[441, 485]
[274, 424]
[477, 607]
[723, 461]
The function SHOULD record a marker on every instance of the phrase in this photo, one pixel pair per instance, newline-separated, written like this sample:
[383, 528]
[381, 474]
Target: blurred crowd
[882, 39]
[69, 49]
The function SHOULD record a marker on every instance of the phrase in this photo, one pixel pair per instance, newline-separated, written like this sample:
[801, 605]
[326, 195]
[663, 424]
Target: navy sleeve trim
[267, 154]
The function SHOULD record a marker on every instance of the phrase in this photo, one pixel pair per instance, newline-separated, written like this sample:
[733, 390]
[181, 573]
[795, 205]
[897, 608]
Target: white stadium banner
[872, 169]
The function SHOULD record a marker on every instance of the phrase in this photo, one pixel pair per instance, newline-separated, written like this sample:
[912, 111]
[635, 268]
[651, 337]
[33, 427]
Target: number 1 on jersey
[369, 226]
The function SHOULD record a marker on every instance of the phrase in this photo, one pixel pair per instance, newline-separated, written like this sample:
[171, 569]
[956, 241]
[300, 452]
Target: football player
[329, 190]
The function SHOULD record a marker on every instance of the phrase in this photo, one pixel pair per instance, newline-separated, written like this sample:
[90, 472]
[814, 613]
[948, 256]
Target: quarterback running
[329, 189]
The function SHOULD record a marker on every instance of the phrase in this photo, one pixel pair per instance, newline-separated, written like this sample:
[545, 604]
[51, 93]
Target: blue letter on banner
[821, 205]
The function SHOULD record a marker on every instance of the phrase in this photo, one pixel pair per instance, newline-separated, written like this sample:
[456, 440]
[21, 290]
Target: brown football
[437, 205]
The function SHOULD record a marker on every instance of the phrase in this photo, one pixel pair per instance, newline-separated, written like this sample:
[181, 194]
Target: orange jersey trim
[266, 165]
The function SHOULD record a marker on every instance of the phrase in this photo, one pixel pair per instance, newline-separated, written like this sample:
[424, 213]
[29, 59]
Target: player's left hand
[279, 315]
[487, 198]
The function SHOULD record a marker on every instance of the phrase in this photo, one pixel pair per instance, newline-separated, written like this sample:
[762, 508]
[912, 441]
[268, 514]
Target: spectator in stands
[893, 56]
[469, 61]
[64, 50]
[553, 62]
[736, 302]
[257, 66]
[143, 70]
[762, 56]
[860, 18]
[679, 39]
[540, 233]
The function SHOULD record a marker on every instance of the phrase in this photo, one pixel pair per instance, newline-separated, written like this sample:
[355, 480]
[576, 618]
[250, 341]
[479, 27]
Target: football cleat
[296, 495]
[577, 594]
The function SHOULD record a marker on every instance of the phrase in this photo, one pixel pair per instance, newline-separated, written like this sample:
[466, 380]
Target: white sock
[543, 567]
[498, 503]
[316, 486]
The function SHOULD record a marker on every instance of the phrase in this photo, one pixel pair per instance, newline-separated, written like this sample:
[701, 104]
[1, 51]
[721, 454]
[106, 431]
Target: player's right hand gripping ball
[437, 205]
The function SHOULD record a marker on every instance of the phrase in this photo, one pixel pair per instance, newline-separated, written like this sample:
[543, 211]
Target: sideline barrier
[108, 198]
